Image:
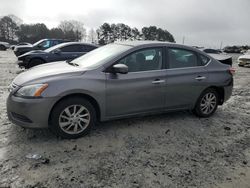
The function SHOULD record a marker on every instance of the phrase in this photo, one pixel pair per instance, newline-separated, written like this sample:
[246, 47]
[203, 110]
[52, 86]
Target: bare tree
[16, 19]
[92, 36]
[73, 29]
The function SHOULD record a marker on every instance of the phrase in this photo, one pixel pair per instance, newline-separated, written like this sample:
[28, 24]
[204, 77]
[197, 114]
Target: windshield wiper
[71, 63]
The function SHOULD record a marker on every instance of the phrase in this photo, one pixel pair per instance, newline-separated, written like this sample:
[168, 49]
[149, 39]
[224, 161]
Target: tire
[63, 122]
[203, 107]
[2, 48]
[35, 62]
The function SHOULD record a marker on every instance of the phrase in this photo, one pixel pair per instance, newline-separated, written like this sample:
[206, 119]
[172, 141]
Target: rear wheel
[207, 103]
[35, 62]
[72, 117]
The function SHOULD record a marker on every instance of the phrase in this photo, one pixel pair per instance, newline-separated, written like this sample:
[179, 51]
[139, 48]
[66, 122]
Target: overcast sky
[201, 22]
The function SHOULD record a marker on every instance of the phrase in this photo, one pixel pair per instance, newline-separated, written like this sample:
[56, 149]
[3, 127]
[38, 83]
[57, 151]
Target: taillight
[232, 70]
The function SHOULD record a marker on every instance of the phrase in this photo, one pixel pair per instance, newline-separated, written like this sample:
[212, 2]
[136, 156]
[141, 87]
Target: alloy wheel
[74, 119]
[208, 103]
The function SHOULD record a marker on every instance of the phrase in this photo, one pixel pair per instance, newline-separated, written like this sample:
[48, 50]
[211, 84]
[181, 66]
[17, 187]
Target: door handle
[200, 78]
[157, 81]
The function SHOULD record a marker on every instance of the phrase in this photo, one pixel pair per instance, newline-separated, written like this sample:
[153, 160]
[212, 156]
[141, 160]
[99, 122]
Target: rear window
[204, 60]
[71, 48]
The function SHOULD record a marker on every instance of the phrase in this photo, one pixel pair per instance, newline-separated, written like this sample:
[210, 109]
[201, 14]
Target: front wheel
[207, 103]
[72, 118]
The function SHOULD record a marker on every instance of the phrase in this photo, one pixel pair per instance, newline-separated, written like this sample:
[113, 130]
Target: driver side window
[45, 44]
[143, 60]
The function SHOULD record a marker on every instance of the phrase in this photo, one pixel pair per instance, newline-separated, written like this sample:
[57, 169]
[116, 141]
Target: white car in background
[244, 59]
[4, 46]
[219, 55]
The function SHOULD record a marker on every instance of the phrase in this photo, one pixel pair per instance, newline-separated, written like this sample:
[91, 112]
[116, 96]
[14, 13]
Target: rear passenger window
[55, 42]
[71, 48]
[180, 58]
[204, 60]
[87, 48]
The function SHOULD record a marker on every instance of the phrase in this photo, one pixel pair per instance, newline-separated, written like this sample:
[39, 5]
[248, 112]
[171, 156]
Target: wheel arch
[220, 91]
[91, 99]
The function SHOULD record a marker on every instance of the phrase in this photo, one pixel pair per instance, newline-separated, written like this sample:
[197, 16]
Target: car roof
[55, 39]
[148, 43]
[72, 43]
[140, 42]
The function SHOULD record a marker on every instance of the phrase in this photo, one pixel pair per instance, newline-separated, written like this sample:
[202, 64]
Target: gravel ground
[169, 150]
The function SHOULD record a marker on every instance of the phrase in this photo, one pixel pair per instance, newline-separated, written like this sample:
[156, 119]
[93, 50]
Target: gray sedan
[119, 80]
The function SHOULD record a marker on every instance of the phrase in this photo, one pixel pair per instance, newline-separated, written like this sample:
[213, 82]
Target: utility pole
[221, 45]
[183, 39]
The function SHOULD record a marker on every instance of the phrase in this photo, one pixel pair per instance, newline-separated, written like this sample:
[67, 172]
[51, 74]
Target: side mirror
[120, 68]
[57, 51]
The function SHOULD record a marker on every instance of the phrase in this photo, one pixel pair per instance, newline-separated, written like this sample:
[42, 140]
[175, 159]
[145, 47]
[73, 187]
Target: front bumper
[21, 63]
[17, 53]
[29, 113]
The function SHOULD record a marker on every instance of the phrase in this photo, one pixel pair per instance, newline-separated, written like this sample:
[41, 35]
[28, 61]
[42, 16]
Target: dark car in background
[60, 52]
[40, 45]
[12, 47]
[232, 49]
[4, 46]
[212, 51]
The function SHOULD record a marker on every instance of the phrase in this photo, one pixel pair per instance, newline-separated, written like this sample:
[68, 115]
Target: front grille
[20, 117]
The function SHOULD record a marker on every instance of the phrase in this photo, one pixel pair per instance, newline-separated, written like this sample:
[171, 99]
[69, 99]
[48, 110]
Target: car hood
[5, 43]
[247, 56]
[33, 52]
[47, 71]
[23, 47]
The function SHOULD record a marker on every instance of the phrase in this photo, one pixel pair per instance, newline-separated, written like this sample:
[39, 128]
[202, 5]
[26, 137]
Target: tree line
[108, 33]
[13, 30]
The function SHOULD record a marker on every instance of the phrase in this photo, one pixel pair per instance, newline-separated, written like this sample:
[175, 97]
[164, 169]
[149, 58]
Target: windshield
[100, 55]
[38, 42]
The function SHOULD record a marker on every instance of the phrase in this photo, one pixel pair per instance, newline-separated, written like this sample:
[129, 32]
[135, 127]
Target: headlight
[31, 90]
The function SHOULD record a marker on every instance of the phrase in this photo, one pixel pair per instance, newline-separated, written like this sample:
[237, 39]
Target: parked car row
[47, 50]
[40, 45]
[61, 52]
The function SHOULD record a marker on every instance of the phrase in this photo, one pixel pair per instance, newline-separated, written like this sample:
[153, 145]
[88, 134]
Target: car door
[141, 89]
[186, 77]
